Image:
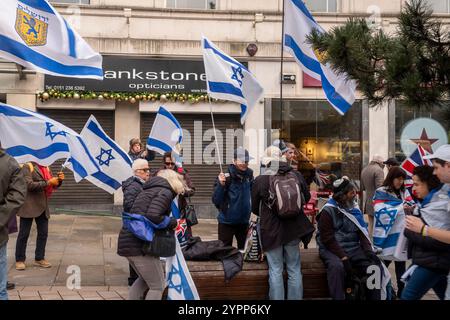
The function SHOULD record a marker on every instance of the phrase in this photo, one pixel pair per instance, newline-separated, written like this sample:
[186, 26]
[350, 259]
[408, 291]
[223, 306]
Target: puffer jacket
[13, 190]
[131, 188]
[154, 202]
[233, 199]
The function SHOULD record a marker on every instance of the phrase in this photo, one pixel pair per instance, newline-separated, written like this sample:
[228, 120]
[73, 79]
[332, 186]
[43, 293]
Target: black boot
[10, 285]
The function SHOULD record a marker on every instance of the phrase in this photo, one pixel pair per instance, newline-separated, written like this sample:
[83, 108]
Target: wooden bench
[252, 283]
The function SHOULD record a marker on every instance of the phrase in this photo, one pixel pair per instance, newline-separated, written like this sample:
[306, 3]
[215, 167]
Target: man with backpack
[278, 198]
[231, 197]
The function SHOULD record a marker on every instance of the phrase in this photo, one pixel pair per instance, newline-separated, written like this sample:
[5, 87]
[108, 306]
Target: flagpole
[281, 73]
[215, 136]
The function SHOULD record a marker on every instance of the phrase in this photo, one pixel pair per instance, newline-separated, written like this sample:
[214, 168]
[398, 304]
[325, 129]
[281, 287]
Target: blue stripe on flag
[71, 37]
[175, 211]
[334, 98]
[25, 53]
[162, 111]
[224, 57]
[43, 153]
[159, 144]
[243, 110]
[187, 291]
[302, 7]
[96, 130]
[39, 4]
[88, 153]
[12, 112]
[107, 180]
[224, 87]
[78, 168]
[388, 242]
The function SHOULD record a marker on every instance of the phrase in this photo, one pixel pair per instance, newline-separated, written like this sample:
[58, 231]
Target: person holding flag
[40, 185]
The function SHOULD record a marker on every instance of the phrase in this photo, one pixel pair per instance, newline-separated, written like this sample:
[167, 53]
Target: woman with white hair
[154, 202]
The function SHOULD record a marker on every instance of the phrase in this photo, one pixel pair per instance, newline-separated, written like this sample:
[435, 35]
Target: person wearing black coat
[154, 202]
[131, 188]
[280, 238]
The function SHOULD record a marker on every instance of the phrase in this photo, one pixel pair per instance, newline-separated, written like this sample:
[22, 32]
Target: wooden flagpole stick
[215, 136]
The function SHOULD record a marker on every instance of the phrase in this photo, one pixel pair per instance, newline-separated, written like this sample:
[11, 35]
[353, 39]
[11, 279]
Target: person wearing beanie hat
[343, 245]
[372, 177]
[136, 152]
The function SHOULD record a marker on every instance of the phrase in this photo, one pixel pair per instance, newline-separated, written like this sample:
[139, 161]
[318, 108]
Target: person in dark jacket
[432, 257]
[13, 190]
[131, 188]
[343, 247]
[280, 238]
[154, 202]
[231, 197]
[137, 152]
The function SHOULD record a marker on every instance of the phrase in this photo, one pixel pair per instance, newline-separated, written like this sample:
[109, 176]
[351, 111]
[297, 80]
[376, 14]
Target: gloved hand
[53, 182]
[173, 223]
[61, 176]
[347, 267]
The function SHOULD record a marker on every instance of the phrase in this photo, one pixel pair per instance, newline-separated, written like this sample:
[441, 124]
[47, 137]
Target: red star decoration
[424, 141]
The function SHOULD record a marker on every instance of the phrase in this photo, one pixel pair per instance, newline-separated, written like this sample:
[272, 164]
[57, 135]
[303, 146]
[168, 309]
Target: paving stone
[51, 297]
[108, 294]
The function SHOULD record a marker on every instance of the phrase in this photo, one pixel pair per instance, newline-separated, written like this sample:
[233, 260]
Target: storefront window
[321, 5]
[329, 141]
[192, 4]
[439, 6]
[428, 127]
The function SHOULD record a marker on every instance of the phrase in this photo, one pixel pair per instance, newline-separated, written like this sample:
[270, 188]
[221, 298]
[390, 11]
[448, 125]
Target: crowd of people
[277, 196]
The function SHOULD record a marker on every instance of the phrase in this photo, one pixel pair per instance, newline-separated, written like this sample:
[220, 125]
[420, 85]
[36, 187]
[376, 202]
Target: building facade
[152, 57]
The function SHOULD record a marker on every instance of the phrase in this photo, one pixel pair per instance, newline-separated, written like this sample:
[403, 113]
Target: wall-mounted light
[252, 49]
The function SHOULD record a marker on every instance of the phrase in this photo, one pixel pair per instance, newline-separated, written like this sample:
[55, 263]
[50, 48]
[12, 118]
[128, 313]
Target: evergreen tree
[412, 64]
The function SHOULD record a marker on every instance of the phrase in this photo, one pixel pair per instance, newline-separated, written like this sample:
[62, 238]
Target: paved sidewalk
[89, 242]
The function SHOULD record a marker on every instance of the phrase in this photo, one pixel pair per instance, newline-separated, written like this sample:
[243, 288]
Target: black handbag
[190, 214]
[162, 245]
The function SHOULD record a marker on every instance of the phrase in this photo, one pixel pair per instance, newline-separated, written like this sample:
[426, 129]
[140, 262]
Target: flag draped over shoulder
[389, 223]
[111, 158]
[30, 136]
[34, 35]
[298, 24]
[166, 134]
[228, 79]
[414, 160]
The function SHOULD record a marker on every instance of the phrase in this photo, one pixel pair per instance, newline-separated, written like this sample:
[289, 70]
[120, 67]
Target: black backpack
[285, 196]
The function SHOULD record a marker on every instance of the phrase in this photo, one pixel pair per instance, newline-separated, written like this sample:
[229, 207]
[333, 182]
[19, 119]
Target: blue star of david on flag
[174, 272]
[237, 75]
[53, 134]
[390, 213]
[108, 159]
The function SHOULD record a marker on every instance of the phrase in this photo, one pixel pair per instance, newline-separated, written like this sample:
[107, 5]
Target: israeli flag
[34, 35]
[114, 162]
[298, 24]
[166, 134]
[228, 79]
[30, 136]
[178, 278]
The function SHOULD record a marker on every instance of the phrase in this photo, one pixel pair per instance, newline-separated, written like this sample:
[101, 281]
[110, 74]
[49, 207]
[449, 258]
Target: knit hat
[340, 184]
[134, 141]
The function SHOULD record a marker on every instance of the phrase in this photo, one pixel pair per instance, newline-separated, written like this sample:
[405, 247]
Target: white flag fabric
[111, 158]
[179, 281]
[30, 136]
[166, 134]
[34, 35]
[228, 79]
[298, 24]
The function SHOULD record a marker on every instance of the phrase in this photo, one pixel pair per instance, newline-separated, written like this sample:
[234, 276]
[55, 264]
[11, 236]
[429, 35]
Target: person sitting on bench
[343, 241]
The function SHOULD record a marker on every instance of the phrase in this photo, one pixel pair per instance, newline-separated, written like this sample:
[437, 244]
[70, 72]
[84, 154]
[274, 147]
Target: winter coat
[13, 190]
[276, 232]
[141, 155]
[131, 188]
[233, 199]
[372, 178]
[154, 202]
[36, 202]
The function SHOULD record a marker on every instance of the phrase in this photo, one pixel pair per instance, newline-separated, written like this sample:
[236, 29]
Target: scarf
[46, 174]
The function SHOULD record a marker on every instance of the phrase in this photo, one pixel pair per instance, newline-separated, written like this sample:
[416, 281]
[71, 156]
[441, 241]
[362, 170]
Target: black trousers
[24, 233]
[400, 268]
[336, 273]
[228, 231]
[133, 276]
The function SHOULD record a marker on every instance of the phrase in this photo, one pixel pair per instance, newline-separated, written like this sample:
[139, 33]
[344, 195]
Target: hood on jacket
[157, 182]
[283, 166]
[236, 173]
